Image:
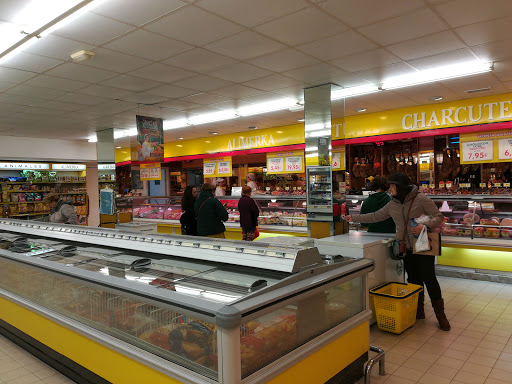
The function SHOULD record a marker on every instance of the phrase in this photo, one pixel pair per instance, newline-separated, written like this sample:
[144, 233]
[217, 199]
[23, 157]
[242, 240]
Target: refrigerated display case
[184, 309]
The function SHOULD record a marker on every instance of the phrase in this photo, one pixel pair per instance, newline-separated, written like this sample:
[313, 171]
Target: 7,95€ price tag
[477, 151]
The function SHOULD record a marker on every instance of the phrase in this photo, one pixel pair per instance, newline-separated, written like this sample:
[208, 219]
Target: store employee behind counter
[375, 201]
[420, 268]
[60, 212]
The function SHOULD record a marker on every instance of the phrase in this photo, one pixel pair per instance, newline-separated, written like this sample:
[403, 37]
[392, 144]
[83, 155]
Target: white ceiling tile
[237, 91]
[239, 72]
[57, 47]
[93, 29]
[80, 72]
[135, 11]
[78, 98]
[364, 12]
[344, 44]
[426, 46]
[315, 73]
[148, 45]
[111, 107]
[366, 60]
[62, 106]
[273, 82]
[421, 93]
[302, 27]
[203, 83]
[284, 60]
[487, 32]
[205, 99]
[163, 73]
[199, 60]
[347, 80]
[250, 13]
[244, 45]
[14, 75]
[399, 28]
[130, 83]
[389, 100]
[102, 91]
[295, 92]
[464, 12]
[480, 81]
[6, 85]
[231, 104]
[194, 26]
[178, 105]
[30, 62]
[503, 69]
[21, 100]
[145, 98]
[377, 75]
[172, 91]
[493, 51]
[44, 93]
[261, 98]
[115, 61]
[442, 59]
[11, 8]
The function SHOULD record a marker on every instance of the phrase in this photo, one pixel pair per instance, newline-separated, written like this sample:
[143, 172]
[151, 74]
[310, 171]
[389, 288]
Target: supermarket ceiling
[183, 59]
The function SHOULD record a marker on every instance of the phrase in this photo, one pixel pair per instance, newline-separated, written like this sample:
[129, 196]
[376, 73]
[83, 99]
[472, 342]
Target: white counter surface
[354, 239]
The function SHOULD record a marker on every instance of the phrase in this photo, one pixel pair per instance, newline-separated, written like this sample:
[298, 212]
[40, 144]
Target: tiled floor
[477, 350]
[17, 366]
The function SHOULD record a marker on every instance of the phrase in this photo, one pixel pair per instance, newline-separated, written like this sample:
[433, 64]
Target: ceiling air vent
[478, 90]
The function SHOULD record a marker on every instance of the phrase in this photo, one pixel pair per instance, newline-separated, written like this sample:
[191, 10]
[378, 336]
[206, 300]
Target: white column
[93, 192]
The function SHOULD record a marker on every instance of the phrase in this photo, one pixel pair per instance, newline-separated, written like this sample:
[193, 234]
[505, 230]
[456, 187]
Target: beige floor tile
[398, 380]
[494, 381]
[446, 372]
[419, 365]
[487, 352]
[396, 358]
[494, 339]
[429, 378]
[400, 350]
[500, 332]
[504, 365]
[506, 356]
[493, 346]
[476, 369]
[427, 356]
[391, 367]
[469, 378]
[14, 374]
[450, 362]
[482, 360]
[500, 374]
[27, 379]
[45, 372]
[455, 354]
[408, 373]
[461, 346]
[473, 334]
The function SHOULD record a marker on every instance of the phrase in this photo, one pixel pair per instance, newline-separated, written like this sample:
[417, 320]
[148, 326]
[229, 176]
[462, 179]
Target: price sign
[209, 169]
[336, 160]
[505, 149]
[448, 184]
[441, 184]
[497, 185]
[433, 186]
[482, 185]
[154, 173]
[224, 168]
[506, 185]
[144, 173]
[477, 151]
[294, 164]
[275, 164]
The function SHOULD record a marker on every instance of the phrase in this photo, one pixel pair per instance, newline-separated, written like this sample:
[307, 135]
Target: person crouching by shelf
[60, 212]
[249, 213]
[407, 201]
[210, 213]
[188, 219]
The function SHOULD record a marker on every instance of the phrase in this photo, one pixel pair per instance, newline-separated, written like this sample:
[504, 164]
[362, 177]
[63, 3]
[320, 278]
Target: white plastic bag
[422, 242]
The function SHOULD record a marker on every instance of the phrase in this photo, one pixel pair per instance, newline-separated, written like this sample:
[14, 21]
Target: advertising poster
[150, 139]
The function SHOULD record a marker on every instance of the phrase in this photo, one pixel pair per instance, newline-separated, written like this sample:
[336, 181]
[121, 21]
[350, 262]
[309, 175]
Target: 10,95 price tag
[505, 151]
[477, 151]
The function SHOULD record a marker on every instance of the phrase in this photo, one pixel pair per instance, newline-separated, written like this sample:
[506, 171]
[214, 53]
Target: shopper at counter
[251, 181]
[249, 213]
[420, 268]
[220, 190]
[188, 218]
[60, 212]
[375, 201]
[210, 213]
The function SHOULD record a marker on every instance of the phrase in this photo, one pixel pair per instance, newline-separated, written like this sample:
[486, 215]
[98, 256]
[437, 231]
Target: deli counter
[279, 214]
[126, 307]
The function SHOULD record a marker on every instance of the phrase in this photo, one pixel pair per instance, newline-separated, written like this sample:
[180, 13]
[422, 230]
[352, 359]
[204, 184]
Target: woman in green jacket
[210, 213]
[375, 201]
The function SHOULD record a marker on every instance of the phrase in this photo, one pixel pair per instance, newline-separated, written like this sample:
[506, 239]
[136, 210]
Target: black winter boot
[438, 306]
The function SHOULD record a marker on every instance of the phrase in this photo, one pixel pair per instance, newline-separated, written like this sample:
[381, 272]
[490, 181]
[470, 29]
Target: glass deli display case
[196, 309]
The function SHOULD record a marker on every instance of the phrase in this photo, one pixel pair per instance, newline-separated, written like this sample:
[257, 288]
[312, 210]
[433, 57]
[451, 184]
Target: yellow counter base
[231, 233]
[476, 257]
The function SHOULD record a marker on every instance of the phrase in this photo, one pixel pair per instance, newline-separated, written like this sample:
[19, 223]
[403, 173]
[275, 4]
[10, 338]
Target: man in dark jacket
[249, 213]
[378, 199]
[210, 213]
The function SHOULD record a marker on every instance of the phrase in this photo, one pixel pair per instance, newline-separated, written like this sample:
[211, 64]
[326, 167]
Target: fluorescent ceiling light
[437, 74]
[125, 133]
[323, 132]
[173, 124]
[93, 139]
[315, 154]
[270, 106]
[353, 91]
[315, 127]
[311, 149]
[212, 117]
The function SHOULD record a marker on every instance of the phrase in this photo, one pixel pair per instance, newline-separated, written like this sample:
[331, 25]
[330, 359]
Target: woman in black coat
[188, 219]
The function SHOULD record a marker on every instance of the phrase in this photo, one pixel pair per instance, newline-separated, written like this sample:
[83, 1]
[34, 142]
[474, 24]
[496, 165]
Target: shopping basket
[395, 305]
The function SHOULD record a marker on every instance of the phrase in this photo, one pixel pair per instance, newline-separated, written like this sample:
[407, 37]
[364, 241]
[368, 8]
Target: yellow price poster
[218, 167]
[285, 162]
[150, 171]
[486, 147]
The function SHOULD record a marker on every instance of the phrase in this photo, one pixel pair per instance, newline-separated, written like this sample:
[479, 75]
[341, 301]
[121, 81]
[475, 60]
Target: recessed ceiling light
[82, 55]
[301, 120]
[213, 133]
[359, 109]
[118, 147]
[478, 90]
[435, 98]
[180, 138]
[253, 127]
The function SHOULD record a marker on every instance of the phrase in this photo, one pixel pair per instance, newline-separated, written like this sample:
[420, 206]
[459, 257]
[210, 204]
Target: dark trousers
[421, 270]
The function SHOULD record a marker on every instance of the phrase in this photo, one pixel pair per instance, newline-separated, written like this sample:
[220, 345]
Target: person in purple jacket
[249, 213]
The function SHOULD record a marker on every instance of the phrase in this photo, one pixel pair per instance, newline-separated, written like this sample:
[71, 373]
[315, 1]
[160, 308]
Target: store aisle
[17, 366]
[477, 350]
